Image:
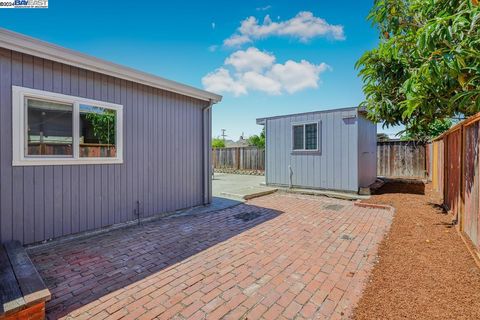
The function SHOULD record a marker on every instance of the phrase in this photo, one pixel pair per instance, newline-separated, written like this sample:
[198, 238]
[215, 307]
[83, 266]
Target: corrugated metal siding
[335, 167]
[367, 152]
[163, 153]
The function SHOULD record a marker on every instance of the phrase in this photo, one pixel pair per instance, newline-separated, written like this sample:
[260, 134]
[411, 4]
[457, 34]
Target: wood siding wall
[163, 152]
[401, 159]
[367, 152]
[334, 167]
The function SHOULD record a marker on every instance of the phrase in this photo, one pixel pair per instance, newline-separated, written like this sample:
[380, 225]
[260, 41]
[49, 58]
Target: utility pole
[223, 134]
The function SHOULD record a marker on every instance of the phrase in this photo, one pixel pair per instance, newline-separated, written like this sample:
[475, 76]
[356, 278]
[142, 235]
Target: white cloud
[220, 80]
[254, 70]
[236, 40]
[259, 82]
[304, 26]
[297, 76]
[251, 59]
[268, 7]
[213, 48]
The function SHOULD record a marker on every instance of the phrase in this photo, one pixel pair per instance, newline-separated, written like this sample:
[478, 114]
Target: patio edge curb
[358, 203]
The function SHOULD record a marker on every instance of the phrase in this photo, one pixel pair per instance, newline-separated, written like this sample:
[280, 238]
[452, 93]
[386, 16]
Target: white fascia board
[28, 45]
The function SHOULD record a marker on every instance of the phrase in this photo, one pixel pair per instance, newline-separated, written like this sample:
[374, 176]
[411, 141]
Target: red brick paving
[296, 259]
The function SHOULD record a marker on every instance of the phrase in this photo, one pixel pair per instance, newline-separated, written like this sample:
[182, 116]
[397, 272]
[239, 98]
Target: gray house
[332, 149]
[86, 143]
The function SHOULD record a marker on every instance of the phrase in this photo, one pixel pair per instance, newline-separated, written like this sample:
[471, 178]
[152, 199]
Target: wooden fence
[436, 171]
[401, 159]
[395, 159]
[456, 174]
[244, 158]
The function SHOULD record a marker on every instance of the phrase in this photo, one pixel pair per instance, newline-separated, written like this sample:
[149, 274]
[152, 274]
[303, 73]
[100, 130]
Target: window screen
[311, 136]
[298, 137]
[97, 132]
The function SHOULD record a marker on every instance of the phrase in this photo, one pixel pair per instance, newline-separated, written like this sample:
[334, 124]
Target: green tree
[426, 66]
[382, 137]
[433, 130]
[258, 140]
[218, 143]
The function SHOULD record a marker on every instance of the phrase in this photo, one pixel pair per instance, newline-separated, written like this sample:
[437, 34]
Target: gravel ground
[424, 269]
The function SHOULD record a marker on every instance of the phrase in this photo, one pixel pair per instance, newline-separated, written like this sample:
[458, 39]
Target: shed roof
[261, 121]
[28, 45]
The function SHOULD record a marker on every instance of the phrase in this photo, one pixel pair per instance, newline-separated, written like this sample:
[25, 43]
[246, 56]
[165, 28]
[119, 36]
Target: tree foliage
[433, 129]
[218, 143]
[258, 140]
[382, 137]
[427, 64]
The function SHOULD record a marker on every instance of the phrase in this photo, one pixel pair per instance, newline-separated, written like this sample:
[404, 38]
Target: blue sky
[185, 41]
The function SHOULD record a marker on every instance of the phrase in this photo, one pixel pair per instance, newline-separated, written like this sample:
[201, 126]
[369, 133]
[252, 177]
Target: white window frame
[19, 127]
[297, 124]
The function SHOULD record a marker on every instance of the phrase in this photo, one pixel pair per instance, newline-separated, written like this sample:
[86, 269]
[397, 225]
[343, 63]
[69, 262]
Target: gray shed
[85, 143]
[332, 150]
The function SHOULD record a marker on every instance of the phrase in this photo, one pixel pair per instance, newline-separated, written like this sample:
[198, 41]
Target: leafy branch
[426, 66]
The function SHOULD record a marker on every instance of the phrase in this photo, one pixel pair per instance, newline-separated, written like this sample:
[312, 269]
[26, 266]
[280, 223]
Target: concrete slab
[248, 192]
[325, 193]
[239, 187]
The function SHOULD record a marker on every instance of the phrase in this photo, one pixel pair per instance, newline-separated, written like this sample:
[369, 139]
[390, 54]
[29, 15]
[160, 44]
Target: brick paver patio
[276, 257]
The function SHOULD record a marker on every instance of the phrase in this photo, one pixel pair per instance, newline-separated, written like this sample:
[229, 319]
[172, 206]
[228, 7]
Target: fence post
[237, 158]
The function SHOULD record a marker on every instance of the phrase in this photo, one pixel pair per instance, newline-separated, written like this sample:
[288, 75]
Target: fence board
[401, 159]
[243, 158]
[394, 159]
[437, 165]
[456, 174]
[453, 171]
[471, 220]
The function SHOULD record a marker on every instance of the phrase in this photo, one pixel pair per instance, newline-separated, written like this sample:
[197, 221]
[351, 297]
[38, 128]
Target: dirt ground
[424, 269]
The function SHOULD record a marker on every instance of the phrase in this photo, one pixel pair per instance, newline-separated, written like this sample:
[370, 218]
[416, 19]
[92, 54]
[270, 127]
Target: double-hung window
[305, 137]
[56, 129]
